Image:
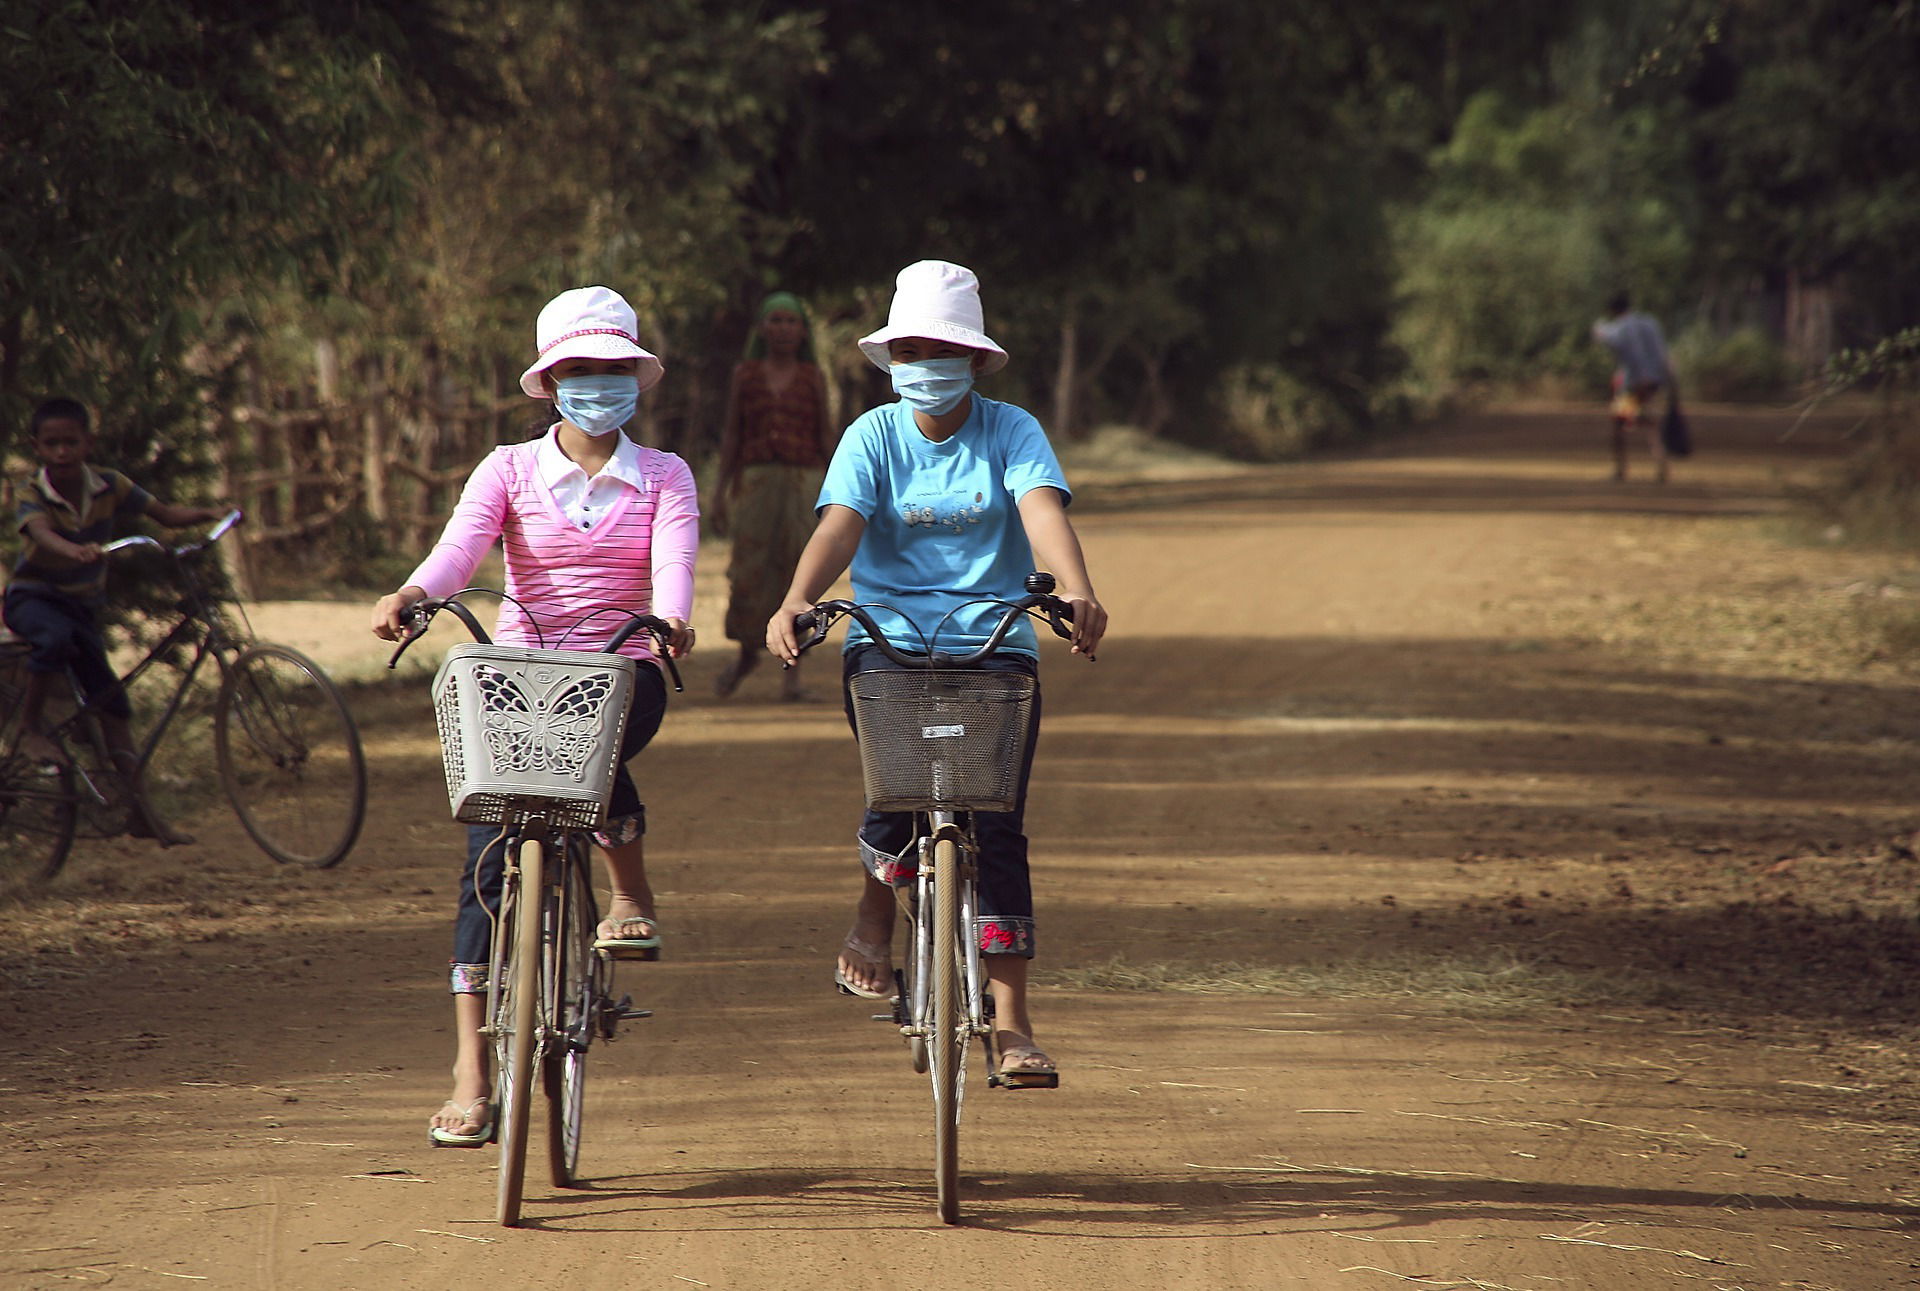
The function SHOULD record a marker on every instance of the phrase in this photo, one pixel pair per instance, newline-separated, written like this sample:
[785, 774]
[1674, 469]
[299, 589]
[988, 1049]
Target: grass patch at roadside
[1493, 986]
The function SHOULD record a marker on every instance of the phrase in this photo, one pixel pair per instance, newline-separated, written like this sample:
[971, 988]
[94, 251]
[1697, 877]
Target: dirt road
[1457, 871]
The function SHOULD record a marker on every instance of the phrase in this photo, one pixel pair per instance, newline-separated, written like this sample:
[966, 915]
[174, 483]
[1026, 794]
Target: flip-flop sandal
[444, 1138]
[1025, 1066]
[631, 947]
[871, 953]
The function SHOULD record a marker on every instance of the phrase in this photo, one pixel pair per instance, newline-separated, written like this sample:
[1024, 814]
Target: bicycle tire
[947, 1043]
[39, 814]
[577, 995]
[515, 1023]
[289, 757]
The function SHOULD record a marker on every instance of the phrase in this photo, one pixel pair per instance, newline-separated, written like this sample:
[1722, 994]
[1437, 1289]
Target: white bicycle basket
[525, 731]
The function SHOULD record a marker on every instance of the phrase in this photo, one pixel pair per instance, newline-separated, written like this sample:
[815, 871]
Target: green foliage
[1743, 365]
[156, 156]
[1521, 236]
[1874, 497]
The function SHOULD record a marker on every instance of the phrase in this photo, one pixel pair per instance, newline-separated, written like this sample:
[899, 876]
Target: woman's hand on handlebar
[390, 612]
[679, 637]
[783, 637]
[1089, 621]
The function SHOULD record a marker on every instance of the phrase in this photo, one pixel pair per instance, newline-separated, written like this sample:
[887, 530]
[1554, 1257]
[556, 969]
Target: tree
[159, 156]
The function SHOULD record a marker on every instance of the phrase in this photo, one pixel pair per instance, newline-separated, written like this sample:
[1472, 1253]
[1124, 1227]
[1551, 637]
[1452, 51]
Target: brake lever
[666, 657]
[414, 621]
[1059, 614]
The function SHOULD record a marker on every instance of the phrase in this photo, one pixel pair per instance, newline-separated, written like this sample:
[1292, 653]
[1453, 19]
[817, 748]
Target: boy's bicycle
[531, 740]
[943, 739]
[286, 747]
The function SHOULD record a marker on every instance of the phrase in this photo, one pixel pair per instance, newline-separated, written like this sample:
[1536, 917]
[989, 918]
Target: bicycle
[943, 739]
[530, 739]
[285, 745]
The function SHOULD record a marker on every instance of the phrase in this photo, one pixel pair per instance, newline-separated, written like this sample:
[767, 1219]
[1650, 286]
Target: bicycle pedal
[624, 1009]
[1027, 1080]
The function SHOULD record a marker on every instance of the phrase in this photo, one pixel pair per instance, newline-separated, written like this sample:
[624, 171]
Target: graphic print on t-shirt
[944, 514]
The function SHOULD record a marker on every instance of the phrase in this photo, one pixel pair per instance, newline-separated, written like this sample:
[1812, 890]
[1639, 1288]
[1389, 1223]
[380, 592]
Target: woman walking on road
[772, 449]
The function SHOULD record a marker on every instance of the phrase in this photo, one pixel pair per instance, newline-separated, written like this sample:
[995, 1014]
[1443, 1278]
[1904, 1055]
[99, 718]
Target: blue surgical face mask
[598, 405]
[933, 386]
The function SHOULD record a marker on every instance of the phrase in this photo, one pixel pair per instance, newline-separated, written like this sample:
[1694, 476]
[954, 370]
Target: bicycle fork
[913, 1008]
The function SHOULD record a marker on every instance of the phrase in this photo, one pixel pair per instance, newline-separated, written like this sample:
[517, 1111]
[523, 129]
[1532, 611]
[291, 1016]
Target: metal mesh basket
[952, 740]
[525, 731]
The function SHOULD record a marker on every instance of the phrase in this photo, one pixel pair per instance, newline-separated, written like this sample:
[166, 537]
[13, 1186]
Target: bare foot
[1020, 1056]
[730, 676]
[630, 930]
[462, 1118]
[866, 966]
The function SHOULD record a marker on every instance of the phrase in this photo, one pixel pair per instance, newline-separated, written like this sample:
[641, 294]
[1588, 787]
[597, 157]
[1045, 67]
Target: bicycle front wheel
[38, 816]
[290, 757]
[579, 990]
[515, 1021]
[947, 1042]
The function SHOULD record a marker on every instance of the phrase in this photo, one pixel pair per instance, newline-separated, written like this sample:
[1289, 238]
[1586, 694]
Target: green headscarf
[757, 344]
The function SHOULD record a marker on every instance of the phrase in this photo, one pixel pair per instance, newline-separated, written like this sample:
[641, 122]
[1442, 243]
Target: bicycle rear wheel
[579, 991]
[289, 756]
[947, 1041]
[515, 1019]
[38, 817]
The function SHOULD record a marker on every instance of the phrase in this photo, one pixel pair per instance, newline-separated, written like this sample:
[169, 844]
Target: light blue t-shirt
[943, 524]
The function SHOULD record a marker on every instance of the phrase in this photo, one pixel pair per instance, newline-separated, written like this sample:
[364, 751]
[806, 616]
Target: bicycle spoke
[578, 993]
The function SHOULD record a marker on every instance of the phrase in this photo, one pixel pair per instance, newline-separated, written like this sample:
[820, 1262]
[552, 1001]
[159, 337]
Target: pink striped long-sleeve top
[638, 555]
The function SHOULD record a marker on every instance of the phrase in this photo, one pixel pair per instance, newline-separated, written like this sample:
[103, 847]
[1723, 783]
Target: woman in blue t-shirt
[942, 498]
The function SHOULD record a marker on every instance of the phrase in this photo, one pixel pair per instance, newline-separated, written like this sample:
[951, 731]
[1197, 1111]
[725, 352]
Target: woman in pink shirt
[590, 521]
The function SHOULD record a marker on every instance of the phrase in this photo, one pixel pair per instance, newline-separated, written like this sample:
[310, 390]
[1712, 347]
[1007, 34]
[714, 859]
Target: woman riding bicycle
[591, 523]
[940, 501]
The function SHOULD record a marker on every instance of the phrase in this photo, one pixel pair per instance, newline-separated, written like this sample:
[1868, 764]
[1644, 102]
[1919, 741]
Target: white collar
[555, 466]
[91, 483]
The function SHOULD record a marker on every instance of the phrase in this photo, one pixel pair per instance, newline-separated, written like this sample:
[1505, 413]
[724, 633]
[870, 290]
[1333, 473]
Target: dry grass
[1497, 986]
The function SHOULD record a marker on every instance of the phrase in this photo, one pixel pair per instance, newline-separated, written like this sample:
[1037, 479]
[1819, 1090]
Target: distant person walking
[773, 452]
[1644, 369]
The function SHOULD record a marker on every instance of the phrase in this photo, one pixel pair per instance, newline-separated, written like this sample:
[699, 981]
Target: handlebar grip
[413, 625]
[812, 627]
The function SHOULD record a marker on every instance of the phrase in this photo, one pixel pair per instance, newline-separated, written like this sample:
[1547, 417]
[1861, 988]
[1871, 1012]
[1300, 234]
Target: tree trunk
[1067, 378]
[1809, 320]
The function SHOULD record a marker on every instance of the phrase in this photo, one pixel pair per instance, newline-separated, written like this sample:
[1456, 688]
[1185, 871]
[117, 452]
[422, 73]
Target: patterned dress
[780, 461]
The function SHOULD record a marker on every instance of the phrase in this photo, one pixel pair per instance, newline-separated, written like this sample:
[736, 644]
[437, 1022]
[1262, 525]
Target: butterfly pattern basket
[526, 732]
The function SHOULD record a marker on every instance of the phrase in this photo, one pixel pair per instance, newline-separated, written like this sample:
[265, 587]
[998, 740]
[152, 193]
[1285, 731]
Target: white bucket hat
[587, 323]
[940, 301]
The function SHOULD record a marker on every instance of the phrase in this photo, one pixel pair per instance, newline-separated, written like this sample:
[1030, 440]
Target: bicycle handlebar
[214, 535]
[419, 616]
[815, 624]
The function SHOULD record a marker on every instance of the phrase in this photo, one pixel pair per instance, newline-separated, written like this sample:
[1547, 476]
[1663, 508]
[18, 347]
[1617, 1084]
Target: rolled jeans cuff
[894, 869]
[468, 979]
[618, 831]
[1000, 934]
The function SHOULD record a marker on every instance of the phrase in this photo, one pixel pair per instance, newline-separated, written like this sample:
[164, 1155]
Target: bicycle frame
[945, 1005]
[564, 853]
[544, 1007]
[912, 1014]
[199, 623]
